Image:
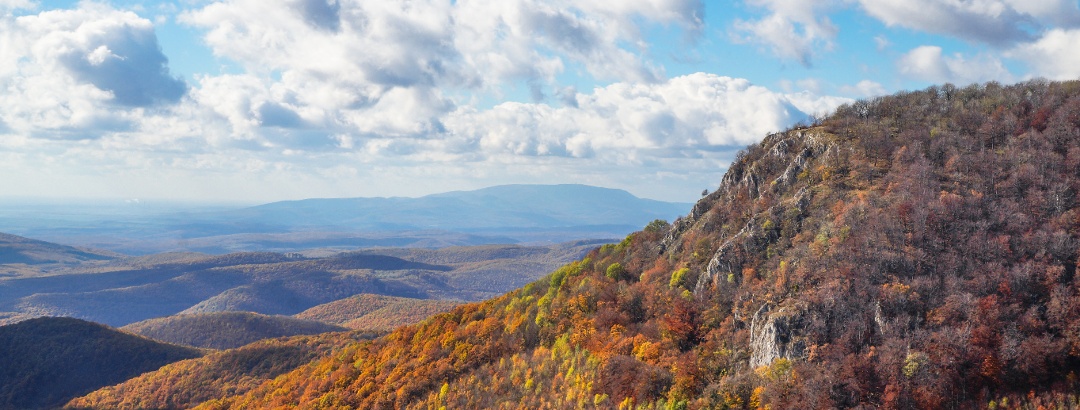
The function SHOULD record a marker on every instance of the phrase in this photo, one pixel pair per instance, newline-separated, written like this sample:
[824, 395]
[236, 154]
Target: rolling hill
[376, 313]
[225, 330]
[19, 250]
[125, 291]
[912, 251]
[45, 362]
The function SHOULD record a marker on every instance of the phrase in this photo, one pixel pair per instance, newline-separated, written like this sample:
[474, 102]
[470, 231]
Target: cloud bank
[1034, 33]
[352, 97]
[337, 96]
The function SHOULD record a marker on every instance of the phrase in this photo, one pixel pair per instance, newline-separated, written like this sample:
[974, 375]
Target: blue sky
[261, 100]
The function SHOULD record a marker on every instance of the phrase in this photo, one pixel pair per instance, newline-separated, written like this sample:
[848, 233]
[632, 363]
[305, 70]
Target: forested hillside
[912, 251]
[187, 383]
[45, 362]
[225, 330]
[376, 312]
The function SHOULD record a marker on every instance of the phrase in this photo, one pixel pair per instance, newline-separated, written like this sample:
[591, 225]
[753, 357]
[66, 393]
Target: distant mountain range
[500, 207]
[524, 214]
[128, 290]
[223, 299]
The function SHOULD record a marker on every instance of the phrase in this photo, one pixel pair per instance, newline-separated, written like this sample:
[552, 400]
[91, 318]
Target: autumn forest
[911, 251]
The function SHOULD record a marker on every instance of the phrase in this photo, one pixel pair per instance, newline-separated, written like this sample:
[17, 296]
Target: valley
[506, 214]
[122, 291]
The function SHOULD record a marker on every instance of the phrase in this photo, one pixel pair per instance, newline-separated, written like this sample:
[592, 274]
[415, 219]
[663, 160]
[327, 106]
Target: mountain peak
[912, 251]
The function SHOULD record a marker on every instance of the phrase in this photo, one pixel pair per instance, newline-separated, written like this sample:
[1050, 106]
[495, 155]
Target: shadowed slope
[225, 330]
[45, 362]
[376, 312]
[17, 249]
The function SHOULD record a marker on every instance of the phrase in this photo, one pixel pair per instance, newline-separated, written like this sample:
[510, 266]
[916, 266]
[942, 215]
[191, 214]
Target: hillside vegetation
[225, 330]
[912, 251]
[187, 383]
[376, 312]
[45, 362]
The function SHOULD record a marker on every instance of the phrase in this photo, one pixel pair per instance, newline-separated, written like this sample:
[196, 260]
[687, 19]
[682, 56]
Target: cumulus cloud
[117, 52]
[371, 91]
[75, 73]
[930, 64]
[381, 69]
[793, 29]
[1053, 56]
[688, 113]
[864, 88]
[1055, 12]
[1039, 34]
[8, 5]
[999, 23]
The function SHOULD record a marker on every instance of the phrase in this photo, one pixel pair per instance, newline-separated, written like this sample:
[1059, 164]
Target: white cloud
[928, 63]
[815, 105]
[689, 113]
[1053, 56]
[8, 5]
[882, 42]
[792, 30]
[117, 52]
[1055, 12]
[999, 23]
[81, 73]
[366, 92]
[864, 88]
[382, 69]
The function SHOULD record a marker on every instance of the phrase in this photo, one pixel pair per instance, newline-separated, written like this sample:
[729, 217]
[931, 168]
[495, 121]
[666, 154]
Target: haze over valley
[525, 214]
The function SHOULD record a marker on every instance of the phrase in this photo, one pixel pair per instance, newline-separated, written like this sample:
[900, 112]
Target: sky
[255, 101]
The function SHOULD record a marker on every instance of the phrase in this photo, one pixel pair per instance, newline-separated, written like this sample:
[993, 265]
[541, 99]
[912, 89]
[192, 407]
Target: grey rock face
[775, 334]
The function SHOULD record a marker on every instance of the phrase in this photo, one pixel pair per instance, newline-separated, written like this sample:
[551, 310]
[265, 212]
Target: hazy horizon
[170, 204]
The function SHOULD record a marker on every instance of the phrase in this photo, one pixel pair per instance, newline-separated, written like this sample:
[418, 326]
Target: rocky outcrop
[753, 237]
[726, 261]
[792, 150]
[775, 333]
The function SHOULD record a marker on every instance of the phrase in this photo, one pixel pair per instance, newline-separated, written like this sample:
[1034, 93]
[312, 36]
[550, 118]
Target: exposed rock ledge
[775, 335]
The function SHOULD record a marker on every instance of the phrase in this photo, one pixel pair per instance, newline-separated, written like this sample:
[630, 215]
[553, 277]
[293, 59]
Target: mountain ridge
[16, 249]
[902, 253]
[225, 330]
[494, 215]
[504, 206]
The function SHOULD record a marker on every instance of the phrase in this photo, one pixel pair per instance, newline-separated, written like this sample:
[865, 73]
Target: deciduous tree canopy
[912, 251]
